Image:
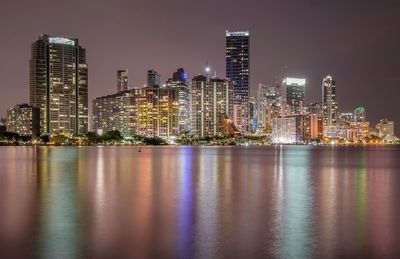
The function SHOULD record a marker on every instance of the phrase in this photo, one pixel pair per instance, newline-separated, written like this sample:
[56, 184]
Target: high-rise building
[59, 85]
[122, 80]
[293, 92]
[211, 106]
[116, 112]
[238, 71]
[329, 104]
[269, 105]
[153, 78]
[24, 120]
[360, 114]
[178, 103]
[291, 129]
[253, 113]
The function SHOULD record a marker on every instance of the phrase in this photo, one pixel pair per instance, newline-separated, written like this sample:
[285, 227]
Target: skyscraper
[59, 85]
[212, 106]
[153, 78]
[329, 104]
[269, 105]
[178, 103]
[293, 92]
[238, 71]
[360, 114]
[122, 80]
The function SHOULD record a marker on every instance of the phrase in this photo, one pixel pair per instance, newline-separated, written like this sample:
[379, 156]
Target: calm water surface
[200, 202]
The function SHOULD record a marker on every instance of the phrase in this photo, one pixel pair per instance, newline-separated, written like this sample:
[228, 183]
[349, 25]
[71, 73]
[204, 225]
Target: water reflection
[199, 202]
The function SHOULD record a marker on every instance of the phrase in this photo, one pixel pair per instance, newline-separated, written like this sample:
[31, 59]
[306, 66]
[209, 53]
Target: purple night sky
[357, 42]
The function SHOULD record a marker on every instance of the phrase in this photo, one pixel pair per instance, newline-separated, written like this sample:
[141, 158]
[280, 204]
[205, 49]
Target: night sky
[357, 42]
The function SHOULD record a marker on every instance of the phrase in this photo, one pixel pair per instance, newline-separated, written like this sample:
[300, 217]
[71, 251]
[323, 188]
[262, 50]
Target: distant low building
[292, 129]
[385, 128]
[24, 120]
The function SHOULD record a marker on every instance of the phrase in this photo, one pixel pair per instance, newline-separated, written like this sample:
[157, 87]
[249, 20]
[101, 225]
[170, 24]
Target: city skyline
[371, 65]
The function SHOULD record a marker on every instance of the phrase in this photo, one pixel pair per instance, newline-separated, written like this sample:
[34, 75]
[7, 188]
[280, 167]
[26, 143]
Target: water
[200, 202]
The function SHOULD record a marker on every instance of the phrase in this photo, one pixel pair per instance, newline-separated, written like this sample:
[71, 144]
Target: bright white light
[294, 81]
[237, 33]
[208, 69]
[64, 41]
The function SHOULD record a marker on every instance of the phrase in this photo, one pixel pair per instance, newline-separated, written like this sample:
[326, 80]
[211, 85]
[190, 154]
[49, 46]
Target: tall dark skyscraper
[122, 80]
[59, 85]
[238, 71]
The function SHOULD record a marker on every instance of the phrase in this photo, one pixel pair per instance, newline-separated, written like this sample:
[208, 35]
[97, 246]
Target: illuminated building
[269, 105]
[24, 120]
[152, 111]
[354, 131]
[253, 113]
[293, 92]
[345, 118]
[360, 114]
[115, 112]
[59, 85]
[178, 103]
[316, 126]
[329, 103]
[153, 78]
[122, 80]
[211, 105]
[385, 128]
[238, 71]
[292, 129]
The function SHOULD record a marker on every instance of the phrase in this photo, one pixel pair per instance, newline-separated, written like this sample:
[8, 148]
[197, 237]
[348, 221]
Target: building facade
[59, 85]
[122, 80]
[115, 112]
[24, 120]
[293, 93]
[211, 105]
[179, 103]
[269, 105]
[329, 104]
[385, 128]
[153, 78]
[238, 71]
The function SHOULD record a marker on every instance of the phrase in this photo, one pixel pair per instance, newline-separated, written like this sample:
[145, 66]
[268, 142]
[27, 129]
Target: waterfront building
[238, 72]
[316, 126]
[59, 85]
[329, 104]
[153, 78]
[293, 93]
[292, 129]
[385, 128]
[122, 80]
[115, 112]
[24, 120]
[211, 106]
[353, 131]
[178, 103]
